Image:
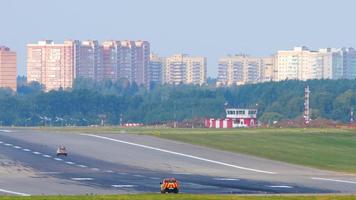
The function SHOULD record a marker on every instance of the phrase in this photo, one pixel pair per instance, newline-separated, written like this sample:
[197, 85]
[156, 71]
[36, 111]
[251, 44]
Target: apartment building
[8, 68]
[52, 65]
[182, 68]
[243, 69]
[349, 63]
[304, 64]
[89, 60]
[155, 69]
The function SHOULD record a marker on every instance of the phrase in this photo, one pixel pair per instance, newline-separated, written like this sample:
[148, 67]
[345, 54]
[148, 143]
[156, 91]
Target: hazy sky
[211, 28]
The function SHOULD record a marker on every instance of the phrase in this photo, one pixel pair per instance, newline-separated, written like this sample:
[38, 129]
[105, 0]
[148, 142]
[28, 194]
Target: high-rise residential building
[244, 69]
[155, 70]
[89, 60]
[141, 62]
[332, 63]
[299, 63]
[52, 65]
[349, 63]
[110, 60]
[304, 64]
[182, 68]
[126, 60]
[268, 71]
[8, 68]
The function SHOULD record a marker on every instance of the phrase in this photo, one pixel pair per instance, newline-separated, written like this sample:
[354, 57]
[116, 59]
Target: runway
[128, 163]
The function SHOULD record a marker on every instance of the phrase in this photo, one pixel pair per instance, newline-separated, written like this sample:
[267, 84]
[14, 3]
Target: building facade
[57, 65]
[349, 63]
[52, 65]
[155, 70]
[304, 64]
[8, 68]
[182, 68]
[244, 69]
[89, 60]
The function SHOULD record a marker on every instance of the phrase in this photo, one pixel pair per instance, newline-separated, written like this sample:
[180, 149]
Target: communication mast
[306, 105]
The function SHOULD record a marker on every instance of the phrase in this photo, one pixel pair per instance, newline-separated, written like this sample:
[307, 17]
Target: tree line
[89, 102]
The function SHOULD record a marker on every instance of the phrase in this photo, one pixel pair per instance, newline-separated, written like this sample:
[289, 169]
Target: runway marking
[82, 179]
[7, 144]
[182, 173]
[333, 180]
[279, 186]
[58, 159]
[6, 131]
[138, 175]
[16, 193]
[181, 154]
[26, 150]
[154, 178]
[226, 179]
[122, 173]
[70, 163]
[108, 171]
[1, 142]
[82, 166]
[47, 156]
[17, 147]
[49, 172]
[95, 169]
[122, 186]
[37, 153]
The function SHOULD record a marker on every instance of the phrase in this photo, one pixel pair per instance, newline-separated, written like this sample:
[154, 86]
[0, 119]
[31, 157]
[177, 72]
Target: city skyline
[212, 29]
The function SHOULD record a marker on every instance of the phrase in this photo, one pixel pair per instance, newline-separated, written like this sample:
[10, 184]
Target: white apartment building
[243, 69]
[155, 69]
[303, 64]
[182, 68]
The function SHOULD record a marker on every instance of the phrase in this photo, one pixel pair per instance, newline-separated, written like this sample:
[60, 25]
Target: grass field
[331, 149]
[180, 197]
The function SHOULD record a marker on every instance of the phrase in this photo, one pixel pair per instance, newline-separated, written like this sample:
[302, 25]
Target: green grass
[179, 196]
[331, 149]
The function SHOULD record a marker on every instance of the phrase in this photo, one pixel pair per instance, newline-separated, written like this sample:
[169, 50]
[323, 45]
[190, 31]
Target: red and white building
[235, 118]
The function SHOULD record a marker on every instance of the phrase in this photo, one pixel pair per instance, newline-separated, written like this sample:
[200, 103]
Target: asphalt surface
[128, 163]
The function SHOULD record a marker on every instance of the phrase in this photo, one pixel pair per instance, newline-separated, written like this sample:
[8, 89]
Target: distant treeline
[89, 101]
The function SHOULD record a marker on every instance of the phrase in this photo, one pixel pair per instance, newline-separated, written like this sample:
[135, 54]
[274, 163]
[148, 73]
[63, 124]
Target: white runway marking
[181, 154]
[122, 186]
[108, 171]
[182, 173]
[37, 153]
[7, 144]
[122, 173]
[95, 169]
[6, 131]
[82, 166]
[333, 180]
[279, 186]
[70, 163]
[82, 179]
[1, 142]
[47, 156]
[16, 193]
[138, 175]
[58, 159]
[26, 149]
[226, 179]
[17, 147]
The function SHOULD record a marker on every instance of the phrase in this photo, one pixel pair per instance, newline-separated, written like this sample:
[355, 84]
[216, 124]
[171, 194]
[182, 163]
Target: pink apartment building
[52, 65]
[8, 68]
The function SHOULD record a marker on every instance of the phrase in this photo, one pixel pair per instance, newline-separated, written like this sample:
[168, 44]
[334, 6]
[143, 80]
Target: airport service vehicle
[170, 185]
[61, 151]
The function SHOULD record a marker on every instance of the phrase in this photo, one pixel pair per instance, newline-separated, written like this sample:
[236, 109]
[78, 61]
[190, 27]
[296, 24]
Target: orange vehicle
[169, 185]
